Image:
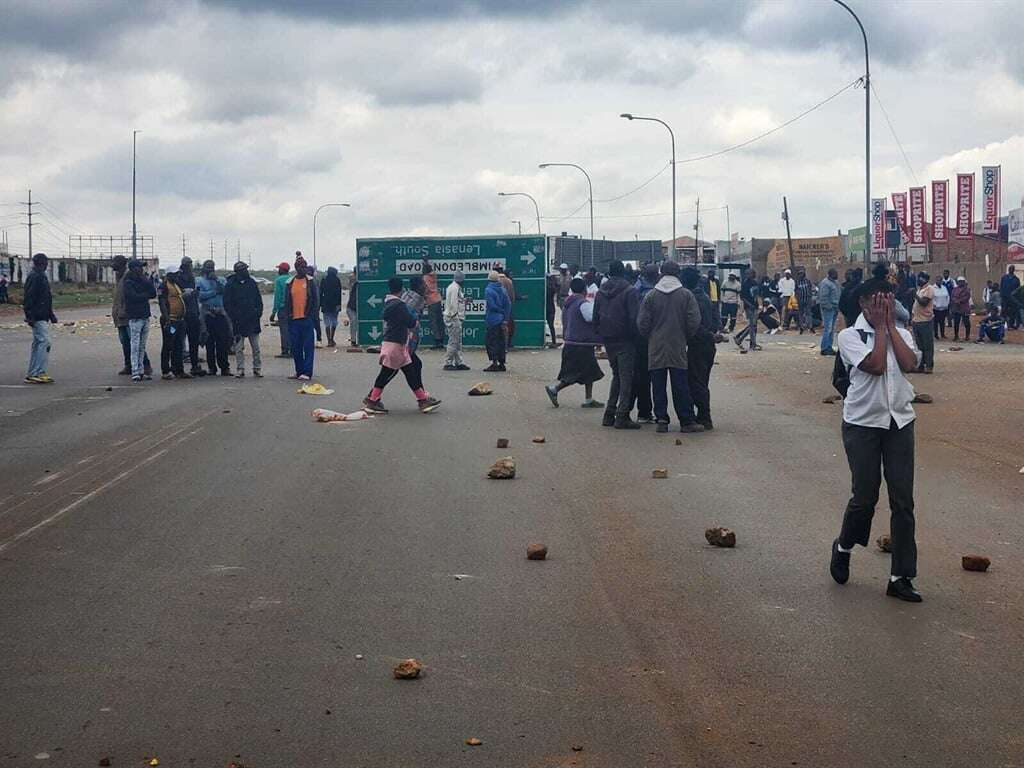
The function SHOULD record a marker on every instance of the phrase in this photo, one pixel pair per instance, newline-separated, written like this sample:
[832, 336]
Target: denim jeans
[138, 330]
[126, 348]
[40, 354]
[828, 324]
[301, 333]
[680, 395]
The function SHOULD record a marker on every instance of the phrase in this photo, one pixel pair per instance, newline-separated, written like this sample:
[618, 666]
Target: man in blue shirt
[215, 320]
[1008, 285]
[498, 311]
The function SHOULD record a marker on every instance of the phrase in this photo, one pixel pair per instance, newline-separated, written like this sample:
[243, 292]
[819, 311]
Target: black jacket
[312, 298]
[615, 310]
[137, 293]
[398, 320]
[187, 280]
[38, 301]
[353, 296]
[330, 292]
[244, 304]
[710, 319]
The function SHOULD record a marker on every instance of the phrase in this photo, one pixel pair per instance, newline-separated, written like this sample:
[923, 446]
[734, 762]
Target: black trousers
[871, 451]
[729, 312]
[436, 315]
[551, 326]
[413, 372]
[700, 357]
[172, 347]
[218, 342]
[193, 331]
[621, 357]
[495, 343]
[641, 396]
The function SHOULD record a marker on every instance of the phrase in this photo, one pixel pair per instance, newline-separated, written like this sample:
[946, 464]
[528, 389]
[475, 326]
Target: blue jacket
[211, 291]
[499, 308]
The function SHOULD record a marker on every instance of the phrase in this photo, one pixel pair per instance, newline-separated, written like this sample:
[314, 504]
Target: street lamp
[628, 116]
[519, 224]
[524, 194]
[590, 185]
[867, 130]
[316, 213]
[134, 247]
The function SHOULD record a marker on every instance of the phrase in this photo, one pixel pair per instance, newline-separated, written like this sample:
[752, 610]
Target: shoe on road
[225, 372]
[136, 378]
[45, 378]
[592, 404]
[462, 367]
[33, 380]
[903, 589]
[124, 372]
[626, 423]
[661, 428]
[374, 406]
[645, 419]
[304, 377]
[183, 375]
[839, 565]
[691, 427]
[429, 404]
[450, 368]
[552, 394]
[258, 373]
[708, 425]
[608, 420]
[240, 375]
[167, 376]
[492, 368]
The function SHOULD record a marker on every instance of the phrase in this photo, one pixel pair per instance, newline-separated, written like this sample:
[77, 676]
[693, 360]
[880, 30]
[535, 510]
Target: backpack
[841, 371]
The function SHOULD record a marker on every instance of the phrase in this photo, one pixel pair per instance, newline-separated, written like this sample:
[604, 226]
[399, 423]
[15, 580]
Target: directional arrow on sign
[374, 333]
[529, 258]
[373, 301]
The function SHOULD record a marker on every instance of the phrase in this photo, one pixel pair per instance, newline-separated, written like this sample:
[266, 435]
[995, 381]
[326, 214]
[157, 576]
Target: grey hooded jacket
[669, 317]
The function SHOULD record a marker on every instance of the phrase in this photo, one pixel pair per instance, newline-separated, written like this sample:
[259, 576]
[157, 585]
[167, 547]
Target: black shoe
[661, 428]
[198, 372]
[450, 368]
[502, 368]
[626, 423]
[706, 423]
[492, 368]
[645, 419]
[692, 426]
[903, 588]
[839, 566]
[462, 367]
[225, 372]
[608, 420]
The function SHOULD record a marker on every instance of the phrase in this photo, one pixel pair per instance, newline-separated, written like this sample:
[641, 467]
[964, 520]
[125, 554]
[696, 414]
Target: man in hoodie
[432, 298]
[828, 299]
[641, 397]
[280, 287]
[172, 326]
[498, 309]
[700, 352]
[186, 280]
[301, 306]
[330, 303]
[211, 307]
[352, 311]
[138, 291]
[454, 316]
[615, 311]
[804, 293]
[244, 305]
[37, 303]
[669, 317]
[120, 265]
[750, 295]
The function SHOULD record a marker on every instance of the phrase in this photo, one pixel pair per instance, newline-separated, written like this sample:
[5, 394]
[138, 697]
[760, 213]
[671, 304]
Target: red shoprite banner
[940, 207]
[990, 199]
[917, 236]
[965, 206]
[899, 204]
[878, 225]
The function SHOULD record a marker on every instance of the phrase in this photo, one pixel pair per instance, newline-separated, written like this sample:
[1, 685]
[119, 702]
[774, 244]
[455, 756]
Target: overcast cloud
[254, 113]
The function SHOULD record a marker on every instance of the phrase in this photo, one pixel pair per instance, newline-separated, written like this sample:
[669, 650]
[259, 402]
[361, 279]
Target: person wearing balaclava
[186, 280]
[301, 306]
[138, 291]
[218, 331]
[330, 303]
[244, 305]
[117, 314]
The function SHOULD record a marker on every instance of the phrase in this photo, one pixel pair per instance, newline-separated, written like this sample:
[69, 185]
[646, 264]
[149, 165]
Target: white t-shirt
[941, 297]
[787, 286]
[875, 401]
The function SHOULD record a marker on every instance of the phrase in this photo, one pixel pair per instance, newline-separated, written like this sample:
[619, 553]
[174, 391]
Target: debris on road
[314, 389]
[359, 657]
[659, 473]
[480, 389]
[408, 669]
[884, 542]
[975, 563]
[104, 762]
[922, 398]
[577, 747]
[502, 442]
[536, 551]
[69, 324]
[325, 415]
[539, 439]
[956, 349]
[503, 469]
[832, 399]
[226, 410]
[679, 441]
[154, 762]
[720, 537]
[473, 741]
[353, 349]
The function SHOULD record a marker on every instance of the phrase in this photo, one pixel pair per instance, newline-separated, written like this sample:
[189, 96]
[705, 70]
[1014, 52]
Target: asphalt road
[188, 570]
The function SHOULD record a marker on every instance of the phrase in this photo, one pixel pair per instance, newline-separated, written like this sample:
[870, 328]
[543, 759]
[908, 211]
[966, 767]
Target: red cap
[284, 265]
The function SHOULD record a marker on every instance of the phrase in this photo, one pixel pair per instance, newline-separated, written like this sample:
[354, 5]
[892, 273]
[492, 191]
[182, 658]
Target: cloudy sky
[254, 112]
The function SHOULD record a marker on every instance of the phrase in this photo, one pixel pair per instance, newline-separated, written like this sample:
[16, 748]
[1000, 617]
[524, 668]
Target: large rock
[659, 473]
[539, 439]
[536, 551]
[720, 537]
[922, 398]
[975, 563]
[832, 399]
[408, 669]
[502, 442]
[884, 542]
[480, 389]
[503, 469]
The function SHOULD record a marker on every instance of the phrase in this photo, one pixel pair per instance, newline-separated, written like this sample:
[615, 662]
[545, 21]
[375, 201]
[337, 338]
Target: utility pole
[30, 224]
[211, 250]
[238, 249]
[728, 232]
[182, 245]
[696, 231]
[789, 239]
[519, 224]
[225, 254]
[134, 235]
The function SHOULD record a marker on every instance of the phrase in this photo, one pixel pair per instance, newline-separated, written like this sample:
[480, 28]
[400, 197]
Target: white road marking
[47, 478]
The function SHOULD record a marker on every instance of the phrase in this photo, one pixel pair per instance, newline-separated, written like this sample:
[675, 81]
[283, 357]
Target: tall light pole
[134, 247]
[672, 136]
[867, 130]
[590, 186]
[317, 213]
[524, 194]
[519, 224]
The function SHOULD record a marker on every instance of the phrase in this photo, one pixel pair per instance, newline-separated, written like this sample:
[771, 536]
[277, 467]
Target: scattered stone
[539, 439]
[373, 350]
[110, 389]
[104, 762]
[226, 410]
[536, 551]
[720, 537]
[660, 473]
[69, 324]
[956, 349]
[832, 399]
[473, 741]
[502, 442]
[922, 398]
[503, 469]
[679, 441]
[884, 542]
[408, 669]
[353, 349]
[975, 563]
[577, 747]
[480, 389]
[359, 657]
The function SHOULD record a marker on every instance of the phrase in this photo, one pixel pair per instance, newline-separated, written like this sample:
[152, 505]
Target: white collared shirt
[875, 401]
[454, 302]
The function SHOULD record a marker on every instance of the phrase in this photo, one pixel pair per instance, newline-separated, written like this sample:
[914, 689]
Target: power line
[637, 189]
[633, 215]
[893, 132]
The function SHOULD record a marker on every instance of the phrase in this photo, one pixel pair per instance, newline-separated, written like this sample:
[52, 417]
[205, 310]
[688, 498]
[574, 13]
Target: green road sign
[522, 256]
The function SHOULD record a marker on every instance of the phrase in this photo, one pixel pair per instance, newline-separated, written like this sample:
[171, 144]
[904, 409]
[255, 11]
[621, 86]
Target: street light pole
[524, 194]
[519, 224]
[590, 186]
[672, 136]
[317, 213]
[867, 130]
[134, 246]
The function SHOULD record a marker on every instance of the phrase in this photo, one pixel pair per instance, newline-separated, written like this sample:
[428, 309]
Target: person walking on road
[301, 306]
[730, 302]
[498, 309]
[701, 349]
[829, 294]
[277, 312]
[244, 305]
[37, 304]
[172, 326]
[138, 291]
[435, 312]
[922, 321]
[878, 435]
[454, 316]
[641, 397]
[117, 314]
[352, 311]
[330, 303]
[215, 320]
[398, 354]
[615, 311]
[669, 317]
[318, 331]
[960, 308]
[186, 280]
[750, 296]
[579, 340]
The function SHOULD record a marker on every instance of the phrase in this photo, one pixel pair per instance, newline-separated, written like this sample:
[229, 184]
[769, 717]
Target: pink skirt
[394, 355]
